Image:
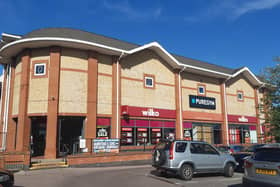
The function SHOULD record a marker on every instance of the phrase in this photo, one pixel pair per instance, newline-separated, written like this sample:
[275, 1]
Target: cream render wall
[16, 93]
[73, 82]
[235, 107]
[38, 87]
[104, 95]
[133, 92]
[189, 87]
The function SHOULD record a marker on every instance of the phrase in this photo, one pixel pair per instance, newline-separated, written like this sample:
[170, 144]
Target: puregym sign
[202, 102]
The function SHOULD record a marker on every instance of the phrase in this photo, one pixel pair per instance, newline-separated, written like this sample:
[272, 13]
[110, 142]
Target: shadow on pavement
[173, 175]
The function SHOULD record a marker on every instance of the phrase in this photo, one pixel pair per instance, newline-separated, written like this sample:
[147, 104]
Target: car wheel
[229, 170]
[186, 172]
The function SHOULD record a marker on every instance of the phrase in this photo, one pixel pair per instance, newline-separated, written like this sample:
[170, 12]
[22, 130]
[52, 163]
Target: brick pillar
[90, 127]
[178, 103]
[224, 127]
[257, 115]
[11, 123]
[53, 99]
[3, 99]
[116, 98]
[23, 132]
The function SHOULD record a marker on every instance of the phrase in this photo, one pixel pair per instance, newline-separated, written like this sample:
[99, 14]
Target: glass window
[180, 147]
[197, 148]
[240, 96]
[209, 150]
[201, 90]
[40, 69]
[270, 155]
[127, 136]
[149, 82]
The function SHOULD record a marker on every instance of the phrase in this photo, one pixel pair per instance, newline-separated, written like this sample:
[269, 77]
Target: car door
[198, 157]
[213, 158]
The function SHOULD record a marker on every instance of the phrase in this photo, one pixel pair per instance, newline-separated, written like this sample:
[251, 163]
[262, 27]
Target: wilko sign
[202, 102]
[150, 112]
[243, 119]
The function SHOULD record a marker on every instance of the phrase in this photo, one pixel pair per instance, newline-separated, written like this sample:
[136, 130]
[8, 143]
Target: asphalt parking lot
[205, 180]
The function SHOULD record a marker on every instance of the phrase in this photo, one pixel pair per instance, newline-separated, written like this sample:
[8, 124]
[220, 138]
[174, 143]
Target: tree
[271, 76]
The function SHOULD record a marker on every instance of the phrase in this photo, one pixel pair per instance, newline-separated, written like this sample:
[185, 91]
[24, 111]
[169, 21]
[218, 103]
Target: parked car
[223, 148]
[6, 178]
[186, 158]
[244, 153]
[263, 167]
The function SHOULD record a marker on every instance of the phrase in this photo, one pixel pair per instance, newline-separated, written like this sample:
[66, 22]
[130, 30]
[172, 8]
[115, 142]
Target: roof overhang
[249, 75]
[13, 48]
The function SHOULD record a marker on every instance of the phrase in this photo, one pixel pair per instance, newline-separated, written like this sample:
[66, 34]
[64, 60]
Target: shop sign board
[202, 102]
[106, 145]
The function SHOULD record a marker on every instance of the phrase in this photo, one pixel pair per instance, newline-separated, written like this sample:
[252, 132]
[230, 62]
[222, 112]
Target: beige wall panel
[16, 94]
[240, 84]
[192, 80]
[105, 64]
[134, 66]
[235, 107]
[18, 68]
[104, 105]
[186, 105]
[74, 59]
[133, 93]
[73, 92]
[38, 95]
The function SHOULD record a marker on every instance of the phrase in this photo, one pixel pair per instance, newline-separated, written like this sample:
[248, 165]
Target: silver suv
[188, 157]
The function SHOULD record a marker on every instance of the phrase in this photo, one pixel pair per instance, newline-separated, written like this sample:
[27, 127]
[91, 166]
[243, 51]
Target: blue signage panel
[202, 102]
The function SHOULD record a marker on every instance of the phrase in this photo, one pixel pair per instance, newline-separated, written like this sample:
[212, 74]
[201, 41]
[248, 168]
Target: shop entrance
[71, 130]
[38, 136]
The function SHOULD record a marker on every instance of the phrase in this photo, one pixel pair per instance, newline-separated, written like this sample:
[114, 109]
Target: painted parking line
[196, 180]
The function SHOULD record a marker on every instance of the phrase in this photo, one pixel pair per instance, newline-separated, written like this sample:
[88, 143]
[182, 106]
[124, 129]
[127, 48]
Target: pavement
[136, 176]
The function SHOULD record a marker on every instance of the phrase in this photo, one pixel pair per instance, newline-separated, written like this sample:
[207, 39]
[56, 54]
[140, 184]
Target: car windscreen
[269, 155]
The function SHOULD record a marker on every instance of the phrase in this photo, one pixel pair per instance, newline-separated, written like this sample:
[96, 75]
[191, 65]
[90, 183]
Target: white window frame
[242, 96]
[153, 83]
[40, 74]
[198, 89]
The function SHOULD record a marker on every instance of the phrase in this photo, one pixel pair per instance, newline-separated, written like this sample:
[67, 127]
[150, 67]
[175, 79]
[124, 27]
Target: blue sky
[231, 33]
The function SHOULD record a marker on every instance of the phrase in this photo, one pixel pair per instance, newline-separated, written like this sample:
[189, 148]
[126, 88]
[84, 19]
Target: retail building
[62, 85]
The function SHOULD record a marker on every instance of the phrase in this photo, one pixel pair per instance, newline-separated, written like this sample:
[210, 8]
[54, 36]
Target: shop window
[201, 90]
[142, 136]
[103, 128]
[127, 135]
[240, 96]
[239, 135]
[149, 81]
[210, 133]
[156, 135]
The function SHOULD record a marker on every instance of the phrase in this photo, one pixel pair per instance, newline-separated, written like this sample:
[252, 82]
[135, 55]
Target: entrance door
[38, 136]
[70, 131]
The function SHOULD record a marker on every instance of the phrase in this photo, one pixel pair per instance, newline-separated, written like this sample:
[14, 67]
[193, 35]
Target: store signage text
[150, 112]
[202, 102]
[243, 119]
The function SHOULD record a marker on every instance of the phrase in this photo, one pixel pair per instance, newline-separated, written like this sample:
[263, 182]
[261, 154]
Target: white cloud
[254, 5]
[130, 12]
[231, 9]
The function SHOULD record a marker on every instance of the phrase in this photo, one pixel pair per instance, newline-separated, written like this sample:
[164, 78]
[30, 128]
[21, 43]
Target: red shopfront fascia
[242, 119]
[133, 111]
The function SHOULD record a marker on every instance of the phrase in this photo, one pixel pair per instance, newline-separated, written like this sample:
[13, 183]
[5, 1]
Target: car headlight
[4, 178]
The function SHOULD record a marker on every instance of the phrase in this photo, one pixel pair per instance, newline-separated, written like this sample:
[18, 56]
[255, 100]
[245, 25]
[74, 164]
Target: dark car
[245, 152]
[223, 148]
[6, 178]
[263, 167]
